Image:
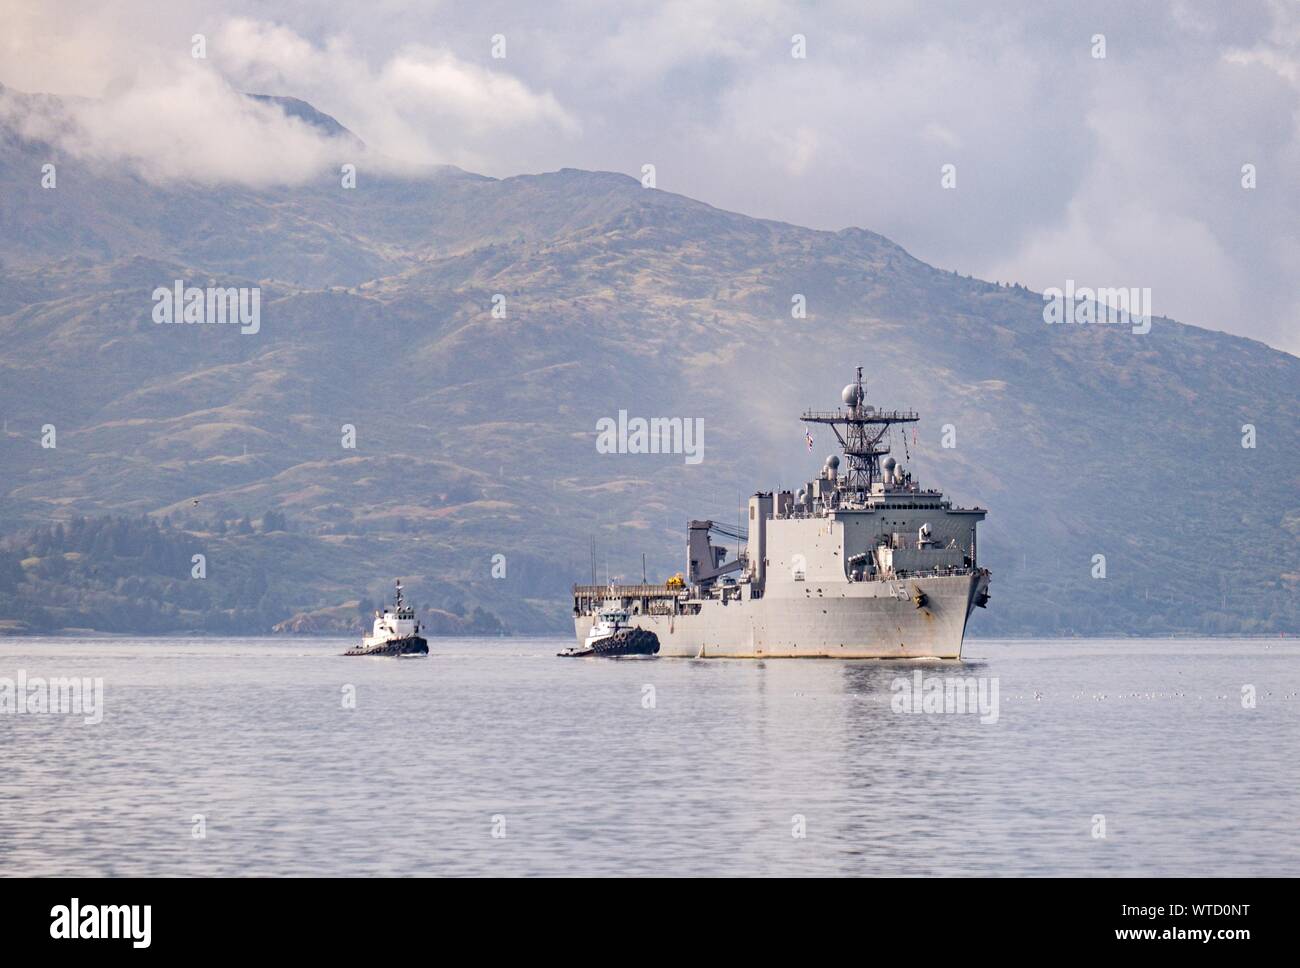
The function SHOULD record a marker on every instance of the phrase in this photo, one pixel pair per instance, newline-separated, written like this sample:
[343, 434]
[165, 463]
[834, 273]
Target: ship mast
[863, 433]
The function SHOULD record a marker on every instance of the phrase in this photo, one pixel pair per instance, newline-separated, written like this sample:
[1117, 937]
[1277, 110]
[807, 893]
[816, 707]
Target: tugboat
[612, 635]
[396, 632]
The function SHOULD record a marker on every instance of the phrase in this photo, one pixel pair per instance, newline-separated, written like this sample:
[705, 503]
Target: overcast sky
[1117, 171]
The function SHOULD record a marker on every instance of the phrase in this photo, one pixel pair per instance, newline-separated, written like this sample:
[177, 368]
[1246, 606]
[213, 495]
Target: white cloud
[181, 122]
[170, 115]
[417, 90]
[478, 99]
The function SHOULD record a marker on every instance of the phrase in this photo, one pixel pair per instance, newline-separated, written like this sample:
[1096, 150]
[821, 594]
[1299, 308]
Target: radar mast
[862, 431]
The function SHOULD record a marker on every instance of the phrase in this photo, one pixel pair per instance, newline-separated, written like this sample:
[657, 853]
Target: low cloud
[169, 115]
[188, 125]
[421, 104]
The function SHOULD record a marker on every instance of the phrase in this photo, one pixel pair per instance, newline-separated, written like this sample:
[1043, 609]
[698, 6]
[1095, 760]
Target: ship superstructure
[860, 562]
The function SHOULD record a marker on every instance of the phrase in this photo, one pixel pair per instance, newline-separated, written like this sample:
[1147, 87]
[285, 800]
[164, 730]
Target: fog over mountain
[475, 431]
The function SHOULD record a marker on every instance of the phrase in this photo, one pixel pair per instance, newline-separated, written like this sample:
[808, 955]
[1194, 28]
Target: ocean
[280, 757]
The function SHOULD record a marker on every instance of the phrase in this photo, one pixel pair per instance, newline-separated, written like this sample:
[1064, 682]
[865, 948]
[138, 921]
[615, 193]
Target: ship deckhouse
[396, 622]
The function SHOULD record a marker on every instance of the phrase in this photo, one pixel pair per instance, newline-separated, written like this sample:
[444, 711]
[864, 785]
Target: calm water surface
[564, 757]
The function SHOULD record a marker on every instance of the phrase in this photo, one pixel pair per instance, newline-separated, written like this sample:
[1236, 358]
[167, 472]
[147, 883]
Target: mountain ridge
[475, 434]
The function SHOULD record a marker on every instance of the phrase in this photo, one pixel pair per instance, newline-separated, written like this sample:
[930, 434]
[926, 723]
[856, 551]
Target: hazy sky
[1117, 171]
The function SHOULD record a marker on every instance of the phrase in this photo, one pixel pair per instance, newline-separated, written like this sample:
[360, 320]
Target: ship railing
[904, 575]
[592, 592]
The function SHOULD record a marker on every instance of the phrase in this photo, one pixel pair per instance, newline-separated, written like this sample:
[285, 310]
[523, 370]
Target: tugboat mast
[862, 431]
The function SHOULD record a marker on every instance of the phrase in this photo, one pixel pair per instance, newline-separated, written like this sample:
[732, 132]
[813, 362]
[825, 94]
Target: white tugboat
[396, 632]
[612, 635]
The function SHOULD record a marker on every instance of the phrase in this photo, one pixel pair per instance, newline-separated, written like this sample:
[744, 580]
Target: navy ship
[860, 562]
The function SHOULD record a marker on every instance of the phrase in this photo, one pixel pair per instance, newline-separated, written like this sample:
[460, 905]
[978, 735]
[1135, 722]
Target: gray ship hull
[856, 620]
